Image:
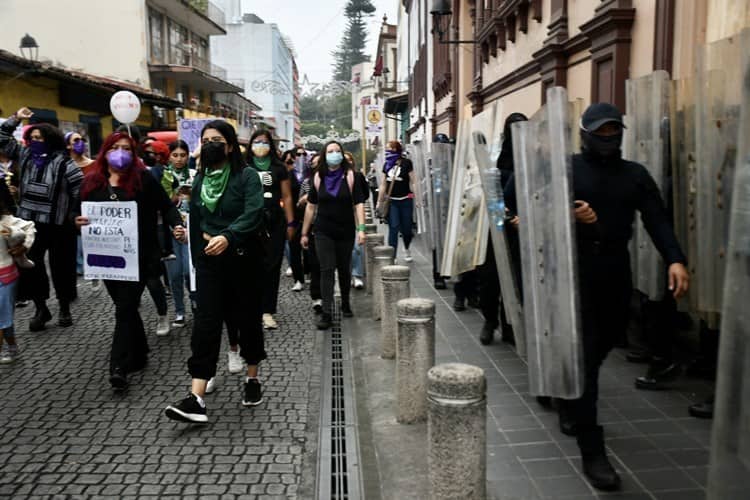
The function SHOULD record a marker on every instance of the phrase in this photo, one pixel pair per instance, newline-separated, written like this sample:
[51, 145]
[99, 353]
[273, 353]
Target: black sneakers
[487, 334]
[188, 410]
[253, 396]
[325, 322]
[118, 379]
[346, 310]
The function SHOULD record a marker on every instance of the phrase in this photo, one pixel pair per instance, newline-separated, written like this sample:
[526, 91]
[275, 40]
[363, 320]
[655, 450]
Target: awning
[194, 77]
[397, 103]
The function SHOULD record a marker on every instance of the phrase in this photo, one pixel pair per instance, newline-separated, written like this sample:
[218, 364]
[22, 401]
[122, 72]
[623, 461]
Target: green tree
[351, 49]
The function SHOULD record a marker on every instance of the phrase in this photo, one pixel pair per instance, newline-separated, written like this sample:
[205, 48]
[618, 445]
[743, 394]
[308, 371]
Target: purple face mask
[39, 152]
[79, 147]
[120, 159]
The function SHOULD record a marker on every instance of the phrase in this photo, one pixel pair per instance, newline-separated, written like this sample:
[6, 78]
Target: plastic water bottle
[495, 201]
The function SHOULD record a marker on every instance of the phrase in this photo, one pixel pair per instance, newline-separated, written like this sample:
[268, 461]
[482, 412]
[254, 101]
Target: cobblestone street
[67, 434]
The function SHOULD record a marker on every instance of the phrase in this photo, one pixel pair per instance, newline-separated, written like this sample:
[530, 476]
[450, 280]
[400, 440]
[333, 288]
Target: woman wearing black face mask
[279, 212]
[226, 220]
[48, 193]
[117, 174]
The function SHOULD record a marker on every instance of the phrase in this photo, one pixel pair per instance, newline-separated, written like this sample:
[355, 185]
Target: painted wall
[579, 81]
[579, 12]
[642, 46]
[526, 100]
[111, 41]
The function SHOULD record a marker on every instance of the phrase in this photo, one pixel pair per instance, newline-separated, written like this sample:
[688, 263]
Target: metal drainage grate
[338, 473]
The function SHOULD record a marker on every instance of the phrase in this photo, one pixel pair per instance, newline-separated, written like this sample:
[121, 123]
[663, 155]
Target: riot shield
[418, 157]
[718, 83]
[442, 167]
[495, 203]
[682, 131]
[541, 152]
[466, 239]
[729, 475]
[647, 142]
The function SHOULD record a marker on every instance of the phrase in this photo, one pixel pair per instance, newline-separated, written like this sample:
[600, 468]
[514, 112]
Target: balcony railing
[210, 10]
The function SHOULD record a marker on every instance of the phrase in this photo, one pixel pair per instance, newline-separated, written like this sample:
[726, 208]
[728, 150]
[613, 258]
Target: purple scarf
[333, 180]
[391, 157]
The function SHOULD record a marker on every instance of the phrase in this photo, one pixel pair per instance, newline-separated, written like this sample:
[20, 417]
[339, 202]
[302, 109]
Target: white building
[258, 53]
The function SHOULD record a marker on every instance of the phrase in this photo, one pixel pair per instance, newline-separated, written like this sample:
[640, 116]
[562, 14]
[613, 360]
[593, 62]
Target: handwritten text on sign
[190, 131]
[110, 240]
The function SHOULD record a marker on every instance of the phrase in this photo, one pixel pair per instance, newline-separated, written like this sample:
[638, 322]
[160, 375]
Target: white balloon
[125, 106]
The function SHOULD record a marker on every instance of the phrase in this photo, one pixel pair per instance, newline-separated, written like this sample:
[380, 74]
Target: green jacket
[238, 216]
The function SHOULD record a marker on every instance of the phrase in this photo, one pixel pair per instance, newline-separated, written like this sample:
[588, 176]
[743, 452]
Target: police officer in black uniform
[608, 191]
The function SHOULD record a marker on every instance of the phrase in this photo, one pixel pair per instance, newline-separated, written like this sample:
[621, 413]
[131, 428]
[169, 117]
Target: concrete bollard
[416, 355]
[384, 256]
[457, 432]
[372, 241]
[395, 283]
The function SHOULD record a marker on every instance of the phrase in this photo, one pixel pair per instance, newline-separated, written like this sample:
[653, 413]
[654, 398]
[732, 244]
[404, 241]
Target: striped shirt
[48, 194]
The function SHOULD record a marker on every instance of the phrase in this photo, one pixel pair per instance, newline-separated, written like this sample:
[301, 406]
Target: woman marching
[397, 191]
[279, 215]
[226, 242]
[118, 175]
[336, 195]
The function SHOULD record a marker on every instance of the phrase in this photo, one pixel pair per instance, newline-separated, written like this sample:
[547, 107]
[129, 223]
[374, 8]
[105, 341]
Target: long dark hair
[97, 176]
[274, 154]
[323, 164]
[227, 131]
[52, 136]
[179, 144]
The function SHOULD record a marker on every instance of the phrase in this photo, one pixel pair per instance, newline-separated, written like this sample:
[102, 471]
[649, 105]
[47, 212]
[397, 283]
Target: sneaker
[235, 363]
[64, 319]
[188, 410]
[179, 321]
[211, 385]
[118, 379]
[407, 256]
[346, 311]
[357, 283]
[325, 322]
[298, 287]
[9, 354]
[22, 303]
[288, 272]
[252, 395]
[318, 306]
[269, 323]
[162, 326]
[171, 256]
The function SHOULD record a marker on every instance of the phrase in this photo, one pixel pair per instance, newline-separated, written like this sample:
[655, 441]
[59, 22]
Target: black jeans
[228, 290]
[129, 345]
[467, 285]
[272, 267]
[605, 289]
[489, 292]
[295, 256]
[62, 245]
[158, 295]
[312, 264]
[334, 255]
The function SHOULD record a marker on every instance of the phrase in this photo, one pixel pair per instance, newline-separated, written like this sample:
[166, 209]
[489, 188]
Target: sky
[315, 28]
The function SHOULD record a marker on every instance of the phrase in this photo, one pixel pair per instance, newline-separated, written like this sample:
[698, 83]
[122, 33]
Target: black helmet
[441, 138]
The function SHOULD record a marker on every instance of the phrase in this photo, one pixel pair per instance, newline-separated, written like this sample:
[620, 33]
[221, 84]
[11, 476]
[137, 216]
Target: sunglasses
[290, 162]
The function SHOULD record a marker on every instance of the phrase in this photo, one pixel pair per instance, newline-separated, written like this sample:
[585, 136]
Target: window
[156, 38]
[179, 52]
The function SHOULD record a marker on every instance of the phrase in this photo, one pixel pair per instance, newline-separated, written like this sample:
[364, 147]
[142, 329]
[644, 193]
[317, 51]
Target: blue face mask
[334, 159]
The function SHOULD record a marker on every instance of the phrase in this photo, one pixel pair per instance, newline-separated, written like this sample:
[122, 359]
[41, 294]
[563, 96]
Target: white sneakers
[318, 305]
[162, 326]
[269, 323]
[235, 363]
[357, 283]
[407, 256]
[298, 287]
[288, 272]
[211, 385]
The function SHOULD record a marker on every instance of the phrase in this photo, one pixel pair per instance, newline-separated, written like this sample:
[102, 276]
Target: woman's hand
[584, 213]
[180, 234]
[216, 245]
[305, 242]
[302, 201]
[24, 113]
[679, 280]
[81, 221]
[361, 237]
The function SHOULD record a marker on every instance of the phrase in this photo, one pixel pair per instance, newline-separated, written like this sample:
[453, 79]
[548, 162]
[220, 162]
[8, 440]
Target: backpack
[349, 181]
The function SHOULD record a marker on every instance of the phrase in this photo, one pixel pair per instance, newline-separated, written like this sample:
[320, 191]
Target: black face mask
[213, 154]
[601, 145]
[149, 159]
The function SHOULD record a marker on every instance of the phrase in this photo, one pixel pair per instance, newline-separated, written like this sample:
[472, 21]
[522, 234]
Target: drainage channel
[339, 464]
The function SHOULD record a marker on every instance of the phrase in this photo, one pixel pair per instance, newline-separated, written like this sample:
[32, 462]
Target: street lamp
[29, 48]
[441, 19]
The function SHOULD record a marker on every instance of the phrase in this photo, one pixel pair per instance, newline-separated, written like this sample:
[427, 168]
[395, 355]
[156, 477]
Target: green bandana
[214, 183]
[262, 163]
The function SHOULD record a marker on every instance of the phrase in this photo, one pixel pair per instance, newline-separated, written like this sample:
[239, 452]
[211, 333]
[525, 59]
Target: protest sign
[110, 240]
[190, 131]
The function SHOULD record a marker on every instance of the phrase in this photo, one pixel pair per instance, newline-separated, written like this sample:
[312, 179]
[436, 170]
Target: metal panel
[442, 169]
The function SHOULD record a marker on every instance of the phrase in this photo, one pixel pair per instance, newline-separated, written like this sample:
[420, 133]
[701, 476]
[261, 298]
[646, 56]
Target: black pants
[605, 289]
[295, 257]
[334, 255]
[312, 264]
[61, 243]
[228, 290]
[272, 267]
[159, 296]
[659, 325]
[466, 286]
[129, 345]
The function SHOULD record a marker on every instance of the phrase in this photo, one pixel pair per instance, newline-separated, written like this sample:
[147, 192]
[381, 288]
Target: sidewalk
[67, 434]
[660, 452]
